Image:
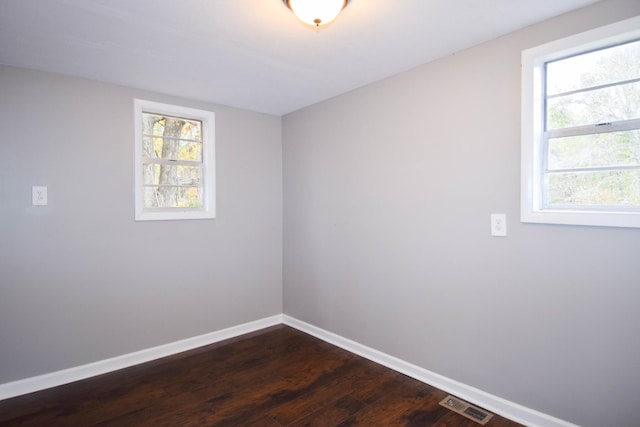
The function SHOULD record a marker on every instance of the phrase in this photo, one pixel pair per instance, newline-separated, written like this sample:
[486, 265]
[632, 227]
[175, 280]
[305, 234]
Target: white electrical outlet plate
[39, 196]
[499, 225]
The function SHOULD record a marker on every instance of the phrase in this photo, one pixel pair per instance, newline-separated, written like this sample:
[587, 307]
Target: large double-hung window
[581, 129]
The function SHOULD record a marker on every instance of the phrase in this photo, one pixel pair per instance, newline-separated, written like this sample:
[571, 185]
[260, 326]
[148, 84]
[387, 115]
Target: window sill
[175, 215]
[595, 218]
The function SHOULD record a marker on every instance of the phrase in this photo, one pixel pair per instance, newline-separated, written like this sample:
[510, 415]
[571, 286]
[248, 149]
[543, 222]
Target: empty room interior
[383, 182]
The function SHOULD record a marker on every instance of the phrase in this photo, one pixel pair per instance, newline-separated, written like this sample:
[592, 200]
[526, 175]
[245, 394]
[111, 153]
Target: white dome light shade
[316, 12]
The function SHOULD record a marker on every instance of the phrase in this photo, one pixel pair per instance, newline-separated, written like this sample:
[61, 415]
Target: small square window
[175, 162]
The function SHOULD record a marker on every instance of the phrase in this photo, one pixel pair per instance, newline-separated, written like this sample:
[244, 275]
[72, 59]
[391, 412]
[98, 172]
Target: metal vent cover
[466, 409]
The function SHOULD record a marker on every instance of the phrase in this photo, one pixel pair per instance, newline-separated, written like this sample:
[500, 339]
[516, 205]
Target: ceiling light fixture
[316, 13]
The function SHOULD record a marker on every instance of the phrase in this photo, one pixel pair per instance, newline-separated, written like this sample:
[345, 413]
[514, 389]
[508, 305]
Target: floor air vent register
[466, 409]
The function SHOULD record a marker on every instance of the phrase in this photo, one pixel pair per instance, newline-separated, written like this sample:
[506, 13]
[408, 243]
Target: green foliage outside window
[597, 89]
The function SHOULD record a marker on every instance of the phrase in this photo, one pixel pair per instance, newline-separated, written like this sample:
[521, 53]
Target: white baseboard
[498, 405]
[53, 379]
[495, 404]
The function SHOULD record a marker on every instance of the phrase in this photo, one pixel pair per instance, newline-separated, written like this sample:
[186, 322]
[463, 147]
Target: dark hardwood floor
[273, 378]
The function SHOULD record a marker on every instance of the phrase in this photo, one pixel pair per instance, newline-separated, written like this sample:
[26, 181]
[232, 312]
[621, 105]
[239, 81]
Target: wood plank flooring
[271, 378]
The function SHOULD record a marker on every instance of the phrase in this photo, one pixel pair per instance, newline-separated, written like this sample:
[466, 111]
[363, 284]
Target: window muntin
[581, 129]
[174, 162]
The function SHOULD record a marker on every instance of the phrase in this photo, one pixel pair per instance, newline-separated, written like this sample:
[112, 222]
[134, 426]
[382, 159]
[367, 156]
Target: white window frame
[533, 113]
[208, 210]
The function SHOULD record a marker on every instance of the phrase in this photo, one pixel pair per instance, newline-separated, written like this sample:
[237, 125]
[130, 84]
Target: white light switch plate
[38, 196]
[499, 225]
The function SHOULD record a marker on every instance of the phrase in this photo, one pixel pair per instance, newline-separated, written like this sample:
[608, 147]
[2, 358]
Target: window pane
[171, 149]
[598, 150]
[597, 106]
[168, 126]
[151, 147]
[599, 188]
[173, 197]
[615, 64]
[191, 129]
[155, 174]
[149, 121]
[190, 150]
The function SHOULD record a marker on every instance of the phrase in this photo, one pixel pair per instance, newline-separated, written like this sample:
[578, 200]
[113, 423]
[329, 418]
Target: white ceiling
[252, 54]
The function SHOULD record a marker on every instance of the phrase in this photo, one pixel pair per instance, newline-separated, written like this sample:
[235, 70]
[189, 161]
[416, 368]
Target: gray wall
[388, 191]
[81, 281]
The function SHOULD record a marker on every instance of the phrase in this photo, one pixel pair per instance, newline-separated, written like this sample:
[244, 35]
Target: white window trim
[533, 60]
[208, 211]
